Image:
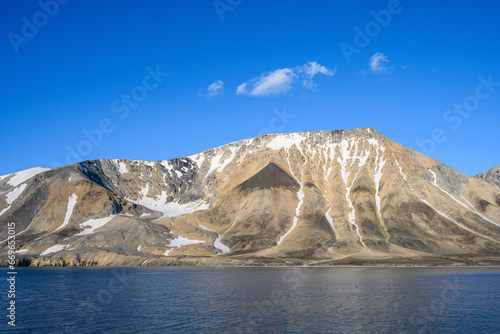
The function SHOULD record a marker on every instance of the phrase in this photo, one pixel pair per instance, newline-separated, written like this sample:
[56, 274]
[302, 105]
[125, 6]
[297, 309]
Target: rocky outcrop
[323, 197]
[491, 176]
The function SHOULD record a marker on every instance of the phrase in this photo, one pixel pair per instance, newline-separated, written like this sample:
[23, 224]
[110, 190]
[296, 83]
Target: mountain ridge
[492, 176]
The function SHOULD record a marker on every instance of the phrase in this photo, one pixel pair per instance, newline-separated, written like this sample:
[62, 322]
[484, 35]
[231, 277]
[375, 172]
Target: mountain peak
[271, 176]
[491, 176]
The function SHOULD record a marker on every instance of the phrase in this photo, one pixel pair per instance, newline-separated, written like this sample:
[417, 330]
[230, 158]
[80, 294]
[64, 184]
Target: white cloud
[273, 83]
[311, 69]
[216, 88]
[281, 81]
[378, 63]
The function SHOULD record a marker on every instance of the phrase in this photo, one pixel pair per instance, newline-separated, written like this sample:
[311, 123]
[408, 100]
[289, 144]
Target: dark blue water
[256, 300]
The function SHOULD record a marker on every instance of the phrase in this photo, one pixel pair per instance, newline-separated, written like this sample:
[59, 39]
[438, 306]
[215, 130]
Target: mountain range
[342, 197]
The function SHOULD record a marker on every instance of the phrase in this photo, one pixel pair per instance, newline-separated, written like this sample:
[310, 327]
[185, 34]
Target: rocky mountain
[491, 176]
[313, 198]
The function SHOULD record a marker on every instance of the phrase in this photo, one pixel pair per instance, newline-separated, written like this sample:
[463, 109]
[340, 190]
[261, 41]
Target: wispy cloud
[272, 83]
[214, 89]
[378, 63]
[281, 81]
[311, 69]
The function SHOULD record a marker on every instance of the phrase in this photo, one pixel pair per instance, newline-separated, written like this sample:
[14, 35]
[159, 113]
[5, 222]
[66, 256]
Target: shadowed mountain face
[491, 176]
[269, 177]
[316, 198]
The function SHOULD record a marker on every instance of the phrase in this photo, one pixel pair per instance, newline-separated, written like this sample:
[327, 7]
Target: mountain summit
[491, 176]
[312, 198]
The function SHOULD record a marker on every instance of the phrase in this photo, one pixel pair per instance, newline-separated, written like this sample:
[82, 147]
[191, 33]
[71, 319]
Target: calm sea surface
[255, 300]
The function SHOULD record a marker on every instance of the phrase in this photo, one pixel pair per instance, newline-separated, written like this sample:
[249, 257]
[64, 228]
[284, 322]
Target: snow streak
[300, 195]
[12, 196]
[346, 149]
[428, 204]
[217, 244]
[69, 211]
[379, 165]
[434, 182]
[179, 242]
[331, 155]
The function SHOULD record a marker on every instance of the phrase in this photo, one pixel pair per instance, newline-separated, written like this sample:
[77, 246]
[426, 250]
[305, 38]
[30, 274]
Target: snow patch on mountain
[198, 159]
[24, 175]
[217, 244]
[214, 164]
[122, 168]
[171, 209]
[93, 224]
[167, 165]
[346, 148]
[286, 141]
[224, 164]
[54, 249]
[329, 218]
[179, 242]
[144, 191]
[69, 211]
[379, 165]
[12, 196]
[300, 195]
[234, 223]
[329, 153]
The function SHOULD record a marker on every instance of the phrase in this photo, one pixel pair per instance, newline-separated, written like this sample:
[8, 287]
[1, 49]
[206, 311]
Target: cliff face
[325, 197]
[491, 176]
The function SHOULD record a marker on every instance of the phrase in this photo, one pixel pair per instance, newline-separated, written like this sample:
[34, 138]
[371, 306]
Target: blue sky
[68, 70]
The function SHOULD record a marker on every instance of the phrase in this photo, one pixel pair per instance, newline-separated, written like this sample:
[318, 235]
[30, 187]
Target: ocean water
[255, 300]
